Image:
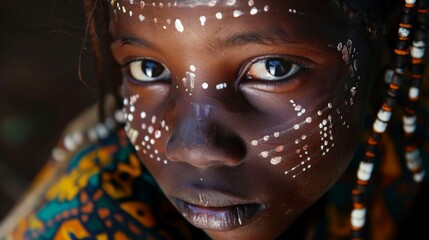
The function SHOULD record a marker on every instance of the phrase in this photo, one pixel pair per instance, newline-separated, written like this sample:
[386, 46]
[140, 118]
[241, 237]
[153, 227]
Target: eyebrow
[268, 37]
[131, 40]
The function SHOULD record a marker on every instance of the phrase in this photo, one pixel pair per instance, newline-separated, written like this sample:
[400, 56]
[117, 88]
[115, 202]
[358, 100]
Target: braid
[403, 51]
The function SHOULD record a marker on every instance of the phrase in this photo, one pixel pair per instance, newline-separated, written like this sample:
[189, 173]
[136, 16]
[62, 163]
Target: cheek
[319, 134]
[146, 127]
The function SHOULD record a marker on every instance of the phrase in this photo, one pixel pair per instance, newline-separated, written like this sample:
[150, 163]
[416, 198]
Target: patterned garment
[104, 193]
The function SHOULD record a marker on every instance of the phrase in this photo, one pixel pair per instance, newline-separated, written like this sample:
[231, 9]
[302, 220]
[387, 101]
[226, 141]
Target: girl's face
[245, 112]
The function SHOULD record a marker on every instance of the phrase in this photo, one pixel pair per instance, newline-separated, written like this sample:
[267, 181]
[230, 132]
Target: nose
[200, 140]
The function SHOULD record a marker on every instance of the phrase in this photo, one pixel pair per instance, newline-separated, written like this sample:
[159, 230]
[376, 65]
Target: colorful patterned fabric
[104, 193]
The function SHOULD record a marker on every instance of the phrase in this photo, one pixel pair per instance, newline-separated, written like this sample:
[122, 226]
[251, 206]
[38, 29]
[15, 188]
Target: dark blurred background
[39, 87]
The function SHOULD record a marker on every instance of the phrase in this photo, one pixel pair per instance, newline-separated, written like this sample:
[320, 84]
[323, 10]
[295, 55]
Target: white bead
[119, 116]
[413, 93]
[379, 126]
[110, 124]
[102, 131]
[92, 135]
[384, 115]
[403, 32]
[409, 128]
[358, 217]
[418, 177]
[417, 52]
[412, 155]
[410, 1]
[414, 162]
[58, 154]
[77, 138]
[365, 171]
[414, 165]
[410, 120]
[69, 143]
[388, 76]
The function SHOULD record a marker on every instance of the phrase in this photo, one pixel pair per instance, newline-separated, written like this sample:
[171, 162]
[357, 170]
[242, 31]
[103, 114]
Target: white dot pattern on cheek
[330, 119]
[151, 130]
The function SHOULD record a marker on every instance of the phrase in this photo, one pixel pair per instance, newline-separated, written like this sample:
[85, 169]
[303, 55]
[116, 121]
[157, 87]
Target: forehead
[214, 16]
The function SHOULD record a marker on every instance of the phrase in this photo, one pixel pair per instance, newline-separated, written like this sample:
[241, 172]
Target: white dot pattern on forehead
[253, 10]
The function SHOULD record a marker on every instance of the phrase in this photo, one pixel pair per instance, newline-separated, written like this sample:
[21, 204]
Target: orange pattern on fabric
[74, 227]
[124, 176]
[141, 212]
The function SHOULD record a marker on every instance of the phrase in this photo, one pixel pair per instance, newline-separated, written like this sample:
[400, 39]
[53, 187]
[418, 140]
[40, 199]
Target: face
[245, 112]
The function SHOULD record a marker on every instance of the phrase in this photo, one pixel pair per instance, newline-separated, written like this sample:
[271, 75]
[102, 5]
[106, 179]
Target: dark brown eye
[272, 69]
[148, 71]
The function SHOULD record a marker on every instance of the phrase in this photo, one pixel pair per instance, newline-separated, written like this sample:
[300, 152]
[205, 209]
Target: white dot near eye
[205, 85]
[253, 11]
[203, 20]
[192, 68]
[296, 126]
[237, 13]
[179, 25]
[219, 15]
[266, 8]
[264, 154]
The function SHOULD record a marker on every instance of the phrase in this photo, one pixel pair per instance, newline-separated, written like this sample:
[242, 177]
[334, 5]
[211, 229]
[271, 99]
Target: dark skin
[227, 137]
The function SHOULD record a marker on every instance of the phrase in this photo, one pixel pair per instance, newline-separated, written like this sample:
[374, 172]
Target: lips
[214, 210]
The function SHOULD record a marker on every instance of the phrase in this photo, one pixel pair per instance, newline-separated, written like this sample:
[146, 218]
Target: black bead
[397, 79]
[401, 60]
[417, 68]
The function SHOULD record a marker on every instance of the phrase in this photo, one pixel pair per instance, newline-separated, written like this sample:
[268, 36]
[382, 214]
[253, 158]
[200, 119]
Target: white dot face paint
[179, 25]
[203, 20]
[235, 10]
[324, 122]
[150, 131]
[253, 11]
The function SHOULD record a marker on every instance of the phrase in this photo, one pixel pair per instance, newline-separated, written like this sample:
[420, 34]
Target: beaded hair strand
[410, 24]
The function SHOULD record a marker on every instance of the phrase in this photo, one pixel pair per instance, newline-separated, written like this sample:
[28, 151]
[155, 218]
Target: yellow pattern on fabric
[70, 185]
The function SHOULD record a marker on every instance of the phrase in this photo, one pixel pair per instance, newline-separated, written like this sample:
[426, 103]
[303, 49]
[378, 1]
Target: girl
[244, 113]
